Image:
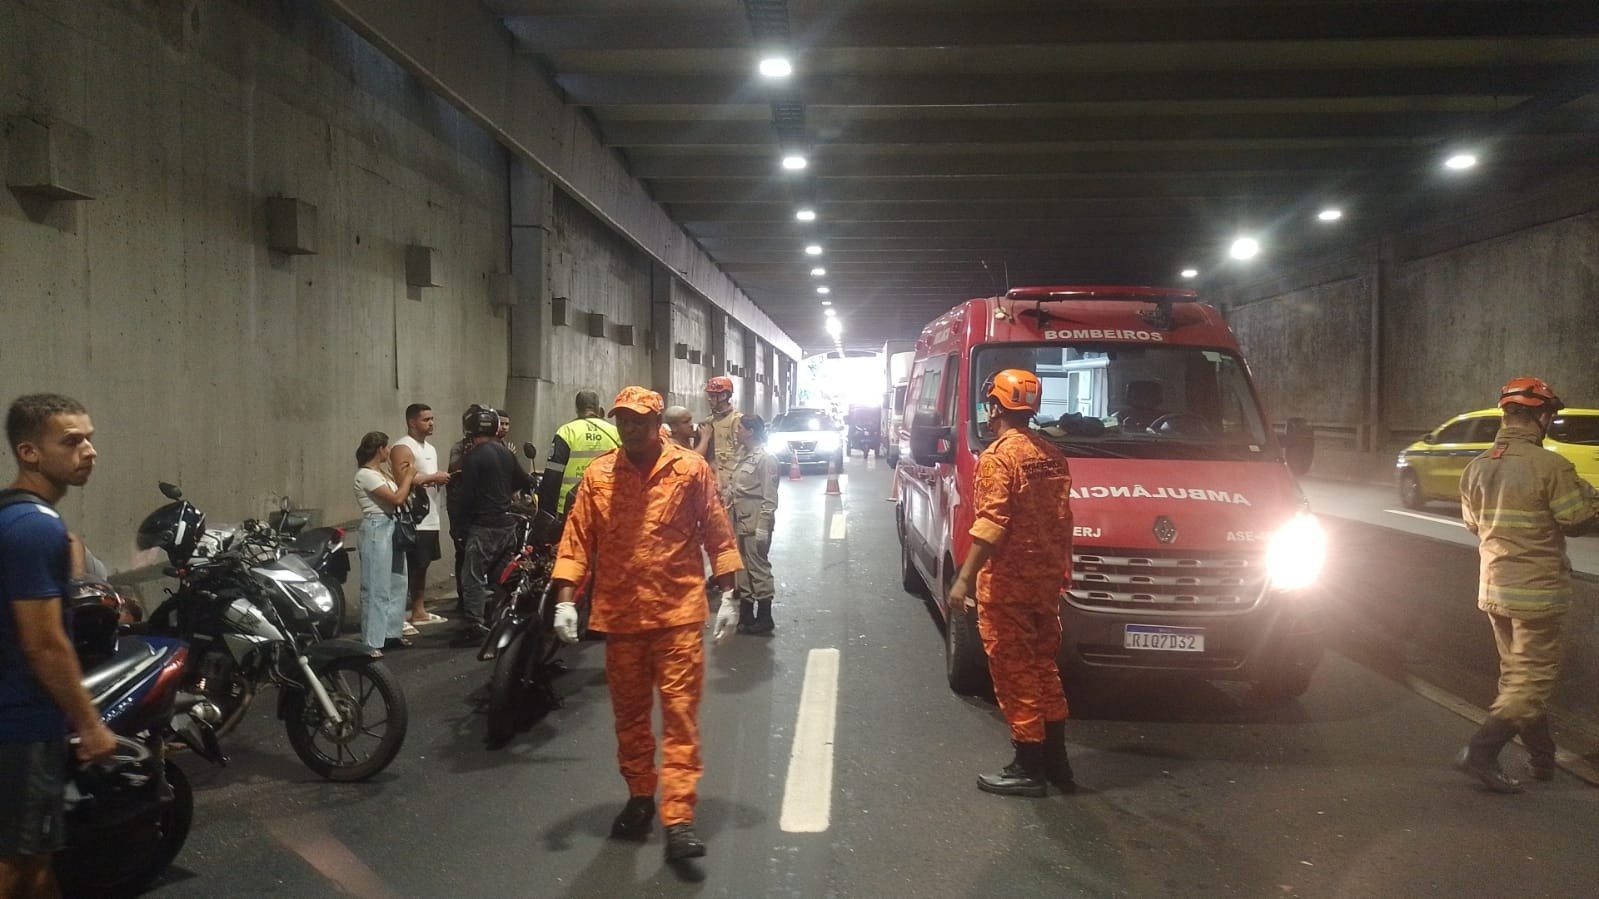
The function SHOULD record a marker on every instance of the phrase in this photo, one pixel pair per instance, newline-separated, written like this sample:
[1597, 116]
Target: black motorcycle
[127, 817]
[521, 640]
[323, 549]
[250, 611]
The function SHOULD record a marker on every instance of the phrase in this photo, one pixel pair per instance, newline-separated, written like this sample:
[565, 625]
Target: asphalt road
[1188, 789]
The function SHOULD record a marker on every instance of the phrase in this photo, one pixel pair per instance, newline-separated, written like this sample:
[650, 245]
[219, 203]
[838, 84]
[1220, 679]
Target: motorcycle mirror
[171, 491]
[530, 451]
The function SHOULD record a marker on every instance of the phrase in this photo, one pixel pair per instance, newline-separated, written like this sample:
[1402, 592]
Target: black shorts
[425, 551]
[33, 781]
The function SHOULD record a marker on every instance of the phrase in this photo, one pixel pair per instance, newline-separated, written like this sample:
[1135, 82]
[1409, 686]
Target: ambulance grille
[1166, 582]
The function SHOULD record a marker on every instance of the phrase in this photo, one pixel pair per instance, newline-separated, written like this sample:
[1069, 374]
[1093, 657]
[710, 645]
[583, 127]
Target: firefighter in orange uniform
[637, 525]
[1021, 553]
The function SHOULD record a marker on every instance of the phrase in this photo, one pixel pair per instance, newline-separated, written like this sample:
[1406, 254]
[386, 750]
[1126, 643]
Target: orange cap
[637, 399]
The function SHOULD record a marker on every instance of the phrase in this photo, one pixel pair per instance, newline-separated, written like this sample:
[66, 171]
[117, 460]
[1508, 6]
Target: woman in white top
[383, 579]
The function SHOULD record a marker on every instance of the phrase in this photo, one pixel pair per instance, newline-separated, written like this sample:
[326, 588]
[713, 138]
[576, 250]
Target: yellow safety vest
[586, 439]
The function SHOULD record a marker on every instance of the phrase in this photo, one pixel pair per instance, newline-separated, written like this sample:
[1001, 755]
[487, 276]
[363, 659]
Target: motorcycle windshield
[289, 569]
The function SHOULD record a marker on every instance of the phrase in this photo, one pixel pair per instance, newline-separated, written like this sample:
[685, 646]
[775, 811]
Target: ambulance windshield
[1135, 401]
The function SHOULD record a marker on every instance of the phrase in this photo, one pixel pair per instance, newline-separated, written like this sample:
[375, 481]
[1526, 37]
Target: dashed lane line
[808, 792]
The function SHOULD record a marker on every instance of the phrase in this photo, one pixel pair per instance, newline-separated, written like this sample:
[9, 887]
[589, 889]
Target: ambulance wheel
[1286, 678]
[1410, 491]
[965, 664]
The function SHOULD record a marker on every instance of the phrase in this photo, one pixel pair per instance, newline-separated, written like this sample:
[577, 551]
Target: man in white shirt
[414, 449]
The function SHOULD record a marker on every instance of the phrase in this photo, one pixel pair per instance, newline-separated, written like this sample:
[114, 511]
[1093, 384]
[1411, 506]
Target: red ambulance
[1193, 549]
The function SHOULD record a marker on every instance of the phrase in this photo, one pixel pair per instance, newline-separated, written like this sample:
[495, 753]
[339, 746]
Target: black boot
[1480, 758]
[1057, 769]
[746, 616]
[762, 624]
[635, 819]
[682, 842]
[1024, 776]
[1540, 749]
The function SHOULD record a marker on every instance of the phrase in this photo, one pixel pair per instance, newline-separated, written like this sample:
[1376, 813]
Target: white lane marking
[836, 526]
[808, 793]
[1425, 517]
[1570, 761]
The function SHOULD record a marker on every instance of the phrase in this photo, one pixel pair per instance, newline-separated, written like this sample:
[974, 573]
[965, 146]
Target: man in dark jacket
[489, 478]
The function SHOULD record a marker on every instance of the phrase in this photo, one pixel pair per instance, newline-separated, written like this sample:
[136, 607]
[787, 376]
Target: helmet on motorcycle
[719, 384]
[1531, 392]
[175, 527]
[1014, 390]
[95, 610]
[116, 788]
[480, 421]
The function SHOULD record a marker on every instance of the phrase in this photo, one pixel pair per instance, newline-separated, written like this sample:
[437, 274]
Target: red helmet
[719, 384]
[1531, 392]
[1014, 390]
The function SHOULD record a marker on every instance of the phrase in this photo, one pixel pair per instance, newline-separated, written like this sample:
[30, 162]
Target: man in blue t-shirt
[41, 685]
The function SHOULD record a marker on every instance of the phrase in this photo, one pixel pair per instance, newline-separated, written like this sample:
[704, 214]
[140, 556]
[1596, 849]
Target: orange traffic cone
[832, 480]
[794, 470]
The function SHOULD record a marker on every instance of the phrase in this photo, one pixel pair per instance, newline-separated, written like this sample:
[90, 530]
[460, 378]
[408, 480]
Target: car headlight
[827, 442]
[776, 444]
[1296, 553]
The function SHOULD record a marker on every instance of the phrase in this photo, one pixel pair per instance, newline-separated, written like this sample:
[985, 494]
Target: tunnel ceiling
[955, 146]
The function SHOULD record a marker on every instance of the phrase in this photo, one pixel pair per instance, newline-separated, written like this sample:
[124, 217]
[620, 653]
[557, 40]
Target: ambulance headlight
[1296, 553]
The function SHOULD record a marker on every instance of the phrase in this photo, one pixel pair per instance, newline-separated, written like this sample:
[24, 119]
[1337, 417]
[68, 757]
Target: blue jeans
[383, 582]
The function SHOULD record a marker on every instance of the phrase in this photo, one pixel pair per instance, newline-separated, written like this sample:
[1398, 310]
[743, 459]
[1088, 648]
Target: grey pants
[483, 547]
[754, 582]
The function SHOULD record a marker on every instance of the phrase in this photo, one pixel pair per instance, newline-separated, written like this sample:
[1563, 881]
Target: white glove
[566, 622]
[726, 619]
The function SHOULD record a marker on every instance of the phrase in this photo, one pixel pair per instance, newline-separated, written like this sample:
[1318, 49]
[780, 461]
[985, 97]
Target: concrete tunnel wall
[1459, 309]
[243, 373]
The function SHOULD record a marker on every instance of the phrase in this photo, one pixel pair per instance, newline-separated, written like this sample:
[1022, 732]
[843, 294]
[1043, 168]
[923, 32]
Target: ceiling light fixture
[824, 291]
[776, 67]
[1459, 162]
[818, 271]
[829, 313]
[1330, 214]
[794, 162]
[827, 303]
[1190, 273]
[1244, 248]
[806, 215]
[835, 328]
[814, 249]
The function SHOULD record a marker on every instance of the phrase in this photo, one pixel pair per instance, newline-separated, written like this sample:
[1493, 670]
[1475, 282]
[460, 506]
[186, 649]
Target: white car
[807, 436]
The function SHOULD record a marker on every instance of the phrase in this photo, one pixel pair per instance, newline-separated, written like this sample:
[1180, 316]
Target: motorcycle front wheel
[372, 726]
[513, 689]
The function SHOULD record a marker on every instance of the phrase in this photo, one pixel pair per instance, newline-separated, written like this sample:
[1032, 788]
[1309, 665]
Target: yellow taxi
[1430, 468]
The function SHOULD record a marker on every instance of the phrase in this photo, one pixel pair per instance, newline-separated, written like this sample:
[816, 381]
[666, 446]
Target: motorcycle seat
[132, 655]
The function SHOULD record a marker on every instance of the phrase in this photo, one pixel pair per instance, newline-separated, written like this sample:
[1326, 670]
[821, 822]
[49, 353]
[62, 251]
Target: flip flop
[432, 618]
[408, 630]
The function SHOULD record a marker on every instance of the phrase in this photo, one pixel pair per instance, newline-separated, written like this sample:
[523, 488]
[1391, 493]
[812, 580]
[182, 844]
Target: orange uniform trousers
[671, 660]
[1022, 639]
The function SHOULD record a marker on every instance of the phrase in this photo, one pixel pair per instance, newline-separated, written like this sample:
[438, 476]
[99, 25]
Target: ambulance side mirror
[932, 445]
[1299, 445]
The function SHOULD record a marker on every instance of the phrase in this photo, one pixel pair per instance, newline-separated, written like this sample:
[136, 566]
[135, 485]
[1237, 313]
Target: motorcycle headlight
[1296, 553]
[319, 595]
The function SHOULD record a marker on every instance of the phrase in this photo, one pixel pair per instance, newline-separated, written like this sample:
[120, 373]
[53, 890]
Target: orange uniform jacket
[641, 534]
[1023, 509]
